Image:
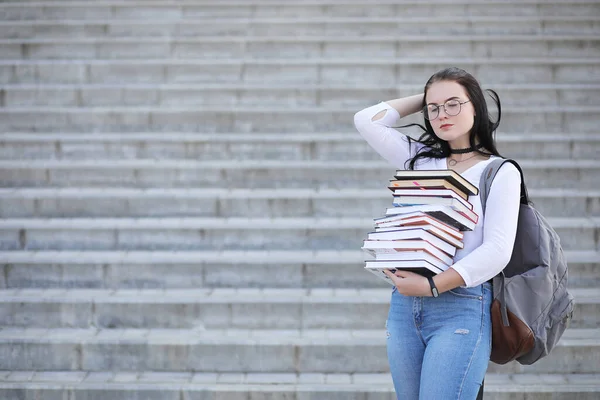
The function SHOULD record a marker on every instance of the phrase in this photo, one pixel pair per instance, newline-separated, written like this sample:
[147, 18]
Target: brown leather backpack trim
[509, 342]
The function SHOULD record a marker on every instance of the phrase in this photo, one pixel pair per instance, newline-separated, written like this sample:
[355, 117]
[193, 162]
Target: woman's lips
[446, 126]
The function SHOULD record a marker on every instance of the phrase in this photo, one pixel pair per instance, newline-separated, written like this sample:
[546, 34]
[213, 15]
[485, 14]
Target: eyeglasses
[451, 107]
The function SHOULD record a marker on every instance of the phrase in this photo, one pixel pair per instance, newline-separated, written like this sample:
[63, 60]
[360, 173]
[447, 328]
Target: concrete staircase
[184, 195]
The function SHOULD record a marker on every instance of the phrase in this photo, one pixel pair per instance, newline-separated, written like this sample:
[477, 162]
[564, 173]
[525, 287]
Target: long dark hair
[483, 126]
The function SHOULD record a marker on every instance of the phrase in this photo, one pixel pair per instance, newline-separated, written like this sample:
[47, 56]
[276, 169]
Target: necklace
[452, 162]
[467, 150]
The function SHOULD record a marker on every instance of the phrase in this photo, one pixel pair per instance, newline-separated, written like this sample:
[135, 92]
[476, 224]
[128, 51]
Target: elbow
[502, 254]
[359, 119]
[370, 116]
[504, 258]
[501, 264]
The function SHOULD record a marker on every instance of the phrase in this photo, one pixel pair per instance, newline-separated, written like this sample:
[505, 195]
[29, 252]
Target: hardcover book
[449, 175]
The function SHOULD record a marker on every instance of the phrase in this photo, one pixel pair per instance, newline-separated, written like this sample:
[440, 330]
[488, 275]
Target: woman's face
[457, 120]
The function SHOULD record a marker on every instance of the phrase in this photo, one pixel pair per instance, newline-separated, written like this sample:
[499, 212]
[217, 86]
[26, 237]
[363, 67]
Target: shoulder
[508, 178]
[509, 172]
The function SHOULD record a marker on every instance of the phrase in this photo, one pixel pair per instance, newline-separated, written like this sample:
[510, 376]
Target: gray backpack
[531, 307]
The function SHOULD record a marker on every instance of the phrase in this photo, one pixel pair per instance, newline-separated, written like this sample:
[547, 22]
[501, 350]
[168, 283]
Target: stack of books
[424, 228]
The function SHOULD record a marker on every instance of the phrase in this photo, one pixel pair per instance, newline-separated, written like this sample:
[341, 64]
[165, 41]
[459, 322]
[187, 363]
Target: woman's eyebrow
[449, 98]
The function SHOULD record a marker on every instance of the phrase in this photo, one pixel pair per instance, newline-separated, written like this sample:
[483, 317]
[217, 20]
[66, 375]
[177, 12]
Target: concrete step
[257, 174]
[302, 47]
[273, 203]
[298, 25]
[51, 10]
[238, 350]
[263, 119]
[244, 308]
[274, 146]
[347, 70]
[216, 269]
[189, 233]
[245, 95]
[276, 386]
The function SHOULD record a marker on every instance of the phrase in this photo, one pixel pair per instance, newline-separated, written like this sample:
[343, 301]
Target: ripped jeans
[439, 348]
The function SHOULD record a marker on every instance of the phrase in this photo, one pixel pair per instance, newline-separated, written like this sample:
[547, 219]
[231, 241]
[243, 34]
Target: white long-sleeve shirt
[488, 248]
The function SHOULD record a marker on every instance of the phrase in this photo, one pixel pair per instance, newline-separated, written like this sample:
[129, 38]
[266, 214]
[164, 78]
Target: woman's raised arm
[405, 105]
[374, 124]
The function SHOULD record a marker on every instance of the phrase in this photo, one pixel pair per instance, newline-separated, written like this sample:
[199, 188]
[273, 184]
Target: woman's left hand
[410, 284]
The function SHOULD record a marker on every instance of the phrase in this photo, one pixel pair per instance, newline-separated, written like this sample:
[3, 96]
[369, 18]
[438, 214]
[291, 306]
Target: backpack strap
[487, 178]
[485, 184]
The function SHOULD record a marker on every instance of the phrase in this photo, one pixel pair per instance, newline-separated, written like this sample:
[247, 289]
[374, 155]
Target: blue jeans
[439, 348]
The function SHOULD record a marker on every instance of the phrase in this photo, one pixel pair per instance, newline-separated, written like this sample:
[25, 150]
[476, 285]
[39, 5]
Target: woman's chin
[449, 136]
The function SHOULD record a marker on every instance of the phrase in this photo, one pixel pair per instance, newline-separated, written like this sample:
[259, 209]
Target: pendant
[452, 162]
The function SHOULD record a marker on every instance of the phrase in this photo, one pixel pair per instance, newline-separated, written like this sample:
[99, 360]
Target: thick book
[378, 248]
[414, 234]
[417, 218]
[424, 198]
[454, 241]
[433, 193]
[425, 184]
[452, 203]
[449, 175]
[414, 255]
[421, 267]
[445, 214]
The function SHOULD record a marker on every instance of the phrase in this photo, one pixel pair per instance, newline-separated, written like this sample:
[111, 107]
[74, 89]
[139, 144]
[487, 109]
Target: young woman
[439, 347]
